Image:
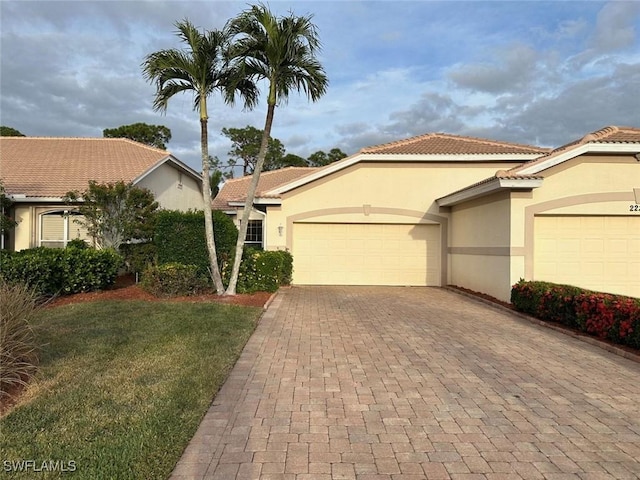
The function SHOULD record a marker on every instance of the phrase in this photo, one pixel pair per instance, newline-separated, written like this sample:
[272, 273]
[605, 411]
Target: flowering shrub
[612, 317]
[608, 316]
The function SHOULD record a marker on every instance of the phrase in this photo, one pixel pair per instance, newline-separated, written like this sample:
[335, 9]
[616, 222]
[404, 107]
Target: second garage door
[596, 252]
[366, 254]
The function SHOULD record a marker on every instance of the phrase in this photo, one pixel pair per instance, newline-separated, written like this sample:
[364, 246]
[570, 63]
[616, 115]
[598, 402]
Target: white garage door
[366, 254]
[595, 252]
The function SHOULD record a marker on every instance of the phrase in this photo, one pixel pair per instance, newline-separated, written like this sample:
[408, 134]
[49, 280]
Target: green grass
[122, 386]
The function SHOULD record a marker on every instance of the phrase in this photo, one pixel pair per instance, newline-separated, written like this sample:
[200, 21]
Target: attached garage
[366, 254]
[597, 252]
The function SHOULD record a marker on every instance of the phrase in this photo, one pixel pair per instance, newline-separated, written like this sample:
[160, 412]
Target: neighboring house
[37, 172]
[442, 209]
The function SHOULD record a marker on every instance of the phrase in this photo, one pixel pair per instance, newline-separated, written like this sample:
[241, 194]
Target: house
[37, 172]
[442, 209]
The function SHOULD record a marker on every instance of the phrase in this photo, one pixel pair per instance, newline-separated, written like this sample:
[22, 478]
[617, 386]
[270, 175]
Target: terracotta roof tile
[235, 189]
[445, 144]
[611, 135]
[51, 167]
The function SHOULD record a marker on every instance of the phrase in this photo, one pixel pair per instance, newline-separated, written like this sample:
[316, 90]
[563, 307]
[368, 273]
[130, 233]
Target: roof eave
[553, 160]
[488, 188]
[256, 201]
[21, 198]
[428, 158]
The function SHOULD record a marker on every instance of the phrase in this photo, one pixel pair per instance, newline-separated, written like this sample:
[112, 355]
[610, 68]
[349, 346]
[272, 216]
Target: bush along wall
[179, 238]
[262, 271]
[612, 317]
[52, 271]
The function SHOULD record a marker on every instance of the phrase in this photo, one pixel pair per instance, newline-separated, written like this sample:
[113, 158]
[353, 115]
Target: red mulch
[125, 288]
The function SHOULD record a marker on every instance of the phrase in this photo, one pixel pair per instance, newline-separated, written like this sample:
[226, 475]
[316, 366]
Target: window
[58, 227]
[254, 234]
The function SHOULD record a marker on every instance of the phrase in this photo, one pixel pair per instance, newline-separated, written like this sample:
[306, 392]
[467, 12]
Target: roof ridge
[107, 139]
[467, 138]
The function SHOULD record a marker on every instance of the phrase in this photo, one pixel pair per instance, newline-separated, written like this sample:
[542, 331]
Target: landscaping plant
[612, 317]
[18, 346]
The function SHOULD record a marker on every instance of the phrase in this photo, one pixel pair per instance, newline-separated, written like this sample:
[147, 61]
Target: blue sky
[534, 72]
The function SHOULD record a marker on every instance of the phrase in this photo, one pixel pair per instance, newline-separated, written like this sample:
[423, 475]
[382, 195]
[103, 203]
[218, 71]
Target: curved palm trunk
[206, 200]
[248, 204]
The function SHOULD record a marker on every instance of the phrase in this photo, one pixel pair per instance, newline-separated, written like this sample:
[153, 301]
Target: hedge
[52, 271]
[262, 271]
[612, 317]
[179, 237]
[172, 279]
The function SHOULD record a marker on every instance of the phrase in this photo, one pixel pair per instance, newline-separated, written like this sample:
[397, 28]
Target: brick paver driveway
[404, 383]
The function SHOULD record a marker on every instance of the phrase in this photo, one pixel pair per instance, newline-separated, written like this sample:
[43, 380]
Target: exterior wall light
[280, 229]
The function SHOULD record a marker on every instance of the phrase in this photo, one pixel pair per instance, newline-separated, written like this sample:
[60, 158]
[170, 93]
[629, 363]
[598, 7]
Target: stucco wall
[164, 182]
[583, 186]
[479, 245]
[374, 193]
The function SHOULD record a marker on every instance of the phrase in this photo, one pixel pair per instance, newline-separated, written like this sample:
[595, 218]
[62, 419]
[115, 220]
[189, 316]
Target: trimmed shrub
[51, 271]
[263, 271]
[612, 317]
[138, 256]
[173, 279]
[179, 237]
[18, 349]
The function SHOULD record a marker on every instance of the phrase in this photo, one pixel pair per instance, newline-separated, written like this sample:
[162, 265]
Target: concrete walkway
[416, 383]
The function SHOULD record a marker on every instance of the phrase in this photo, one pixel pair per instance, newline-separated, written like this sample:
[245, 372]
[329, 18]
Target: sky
[531, 72]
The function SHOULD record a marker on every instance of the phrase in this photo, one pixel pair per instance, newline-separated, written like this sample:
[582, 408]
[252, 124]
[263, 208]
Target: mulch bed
[125, 288]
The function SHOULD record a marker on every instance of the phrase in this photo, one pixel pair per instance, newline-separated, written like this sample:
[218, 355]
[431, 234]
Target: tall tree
[320, 158]
[153, 135]
[10, 132]
[282, 51]
[246, 147]
[199, 68]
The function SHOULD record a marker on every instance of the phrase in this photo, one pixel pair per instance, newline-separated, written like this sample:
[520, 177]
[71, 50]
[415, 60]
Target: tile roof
[235, 189]
[445, 144]
[51, 167]
[608, 135]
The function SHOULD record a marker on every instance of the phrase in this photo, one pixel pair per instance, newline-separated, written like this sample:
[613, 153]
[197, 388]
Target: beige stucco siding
[375, 197]
[480, 248]
[373, 193]
[173, 190]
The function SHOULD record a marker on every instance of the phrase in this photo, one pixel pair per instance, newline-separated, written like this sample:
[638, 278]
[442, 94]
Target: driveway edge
[580, 336]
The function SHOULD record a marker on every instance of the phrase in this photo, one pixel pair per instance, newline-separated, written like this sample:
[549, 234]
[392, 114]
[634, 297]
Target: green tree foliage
[114, 213]
[282, 52]
[246, 146]
[6, 221]
[320, 158]
[153, 135]
[10, 132]
[200, 69]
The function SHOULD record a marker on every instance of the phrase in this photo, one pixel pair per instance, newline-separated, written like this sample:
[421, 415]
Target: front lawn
[122, 387]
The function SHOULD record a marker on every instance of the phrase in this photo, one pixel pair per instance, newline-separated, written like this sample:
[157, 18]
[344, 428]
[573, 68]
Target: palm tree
[200, 69]
[282, 52]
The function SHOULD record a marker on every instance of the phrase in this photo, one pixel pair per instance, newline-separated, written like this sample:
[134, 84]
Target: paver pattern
[416, 383]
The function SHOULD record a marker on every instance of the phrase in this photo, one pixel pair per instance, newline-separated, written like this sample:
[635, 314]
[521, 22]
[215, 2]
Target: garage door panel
[596, 252]
[366, 254]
